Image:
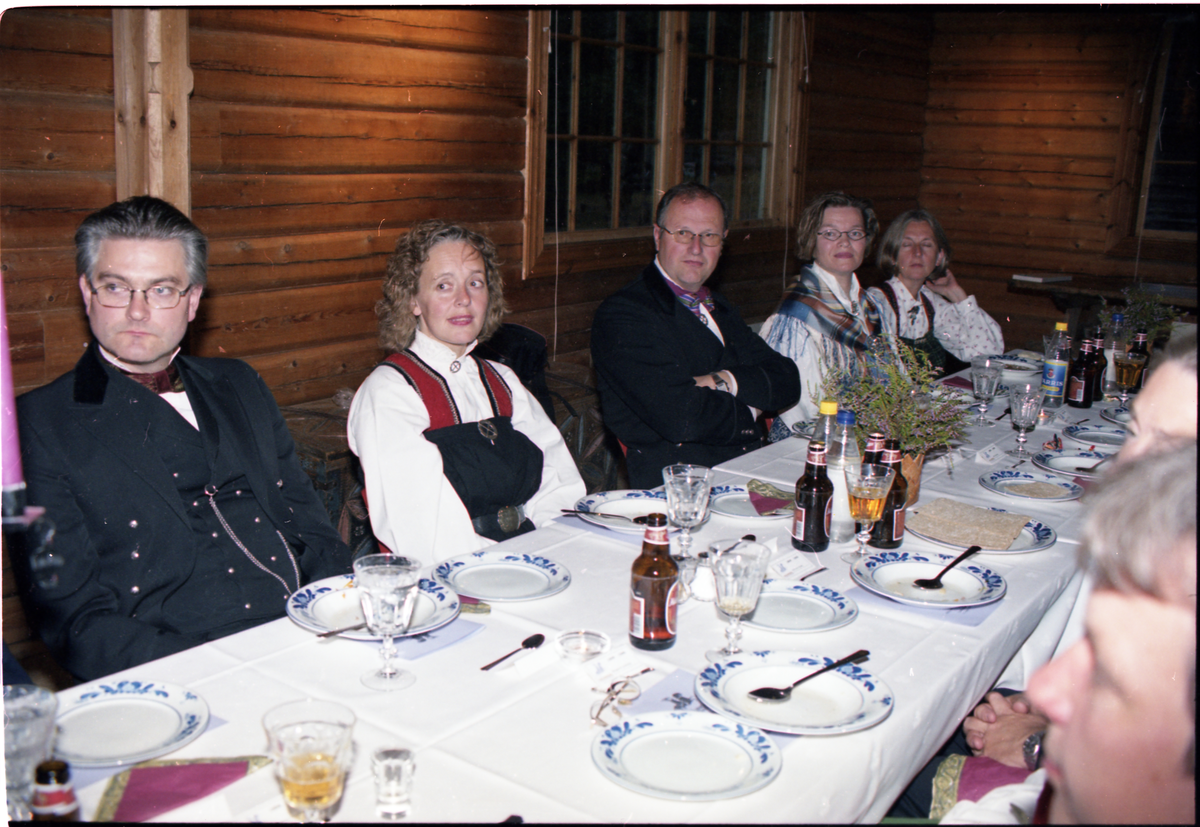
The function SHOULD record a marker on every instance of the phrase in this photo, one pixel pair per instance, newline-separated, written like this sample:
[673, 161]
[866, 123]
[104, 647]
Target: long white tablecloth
[517, 741]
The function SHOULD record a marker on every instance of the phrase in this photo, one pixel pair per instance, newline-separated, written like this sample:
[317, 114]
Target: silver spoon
[810, 574]
[531, 642]
[639, 520]
[936, 582]
[769, 694]
[1080, 468]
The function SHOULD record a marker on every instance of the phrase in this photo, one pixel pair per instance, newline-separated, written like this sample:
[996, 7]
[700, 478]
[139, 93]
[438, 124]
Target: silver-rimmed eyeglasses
[159, 296]
[620, 692]
[686, 236]
[833, 235]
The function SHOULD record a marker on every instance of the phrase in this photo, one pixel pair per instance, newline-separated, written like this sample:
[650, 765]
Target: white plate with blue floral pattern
[1067, 463]
[1034, 536]
[845, 700]
[788, 606]
[1118, 416]
[629, 503]
[503, 576]
[1108, 435]
[891, 574]
[117, 723]
[1010, 483]
[687, 756]
[734, 501]
[333, 603]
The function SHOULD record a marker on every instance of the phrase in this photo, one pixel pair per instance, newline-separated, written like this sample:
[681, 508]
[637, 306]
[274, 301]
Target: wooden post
[151, 85]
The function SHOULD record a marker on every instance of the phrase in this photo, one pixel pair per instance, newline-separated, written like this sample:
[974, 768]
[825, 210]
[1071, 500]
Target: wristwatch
[720, 382]
[1032, 750]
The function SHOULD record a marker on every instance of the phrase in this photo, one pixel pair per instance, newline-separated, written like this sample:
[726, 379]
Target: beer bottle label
[672, 609]
[637, 616]
[1075, 389]
[828, 515]
[898, 522]
[798, 523]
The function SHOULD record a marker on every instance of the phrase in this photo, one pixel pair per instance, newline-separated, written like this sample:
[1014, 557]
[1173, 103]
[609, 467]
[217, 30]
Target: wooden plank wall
[56, 166]
[1022, 140]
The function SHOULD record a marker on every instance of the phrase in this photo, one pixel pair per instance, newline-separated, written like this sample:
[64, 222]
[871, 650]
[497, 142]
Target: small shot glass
[393, 770]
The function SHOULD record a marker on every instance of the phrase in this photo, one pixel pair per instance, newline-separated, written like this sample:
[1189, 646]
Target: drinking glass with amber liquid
[310, 741]
[868, 486]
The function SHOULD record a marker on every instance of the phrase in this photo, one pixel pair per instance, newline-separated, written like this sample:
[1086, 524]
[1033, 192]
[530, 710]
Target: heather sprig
[896, 395]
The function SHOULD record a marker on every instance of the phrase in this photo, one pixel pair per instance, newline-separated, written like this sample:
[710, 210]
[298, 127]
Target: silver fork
[810, 574]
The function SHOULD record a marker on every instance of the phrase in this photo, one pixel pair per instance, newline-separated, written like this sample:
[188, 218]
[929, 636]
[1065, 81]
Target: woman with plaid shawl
[825, 319]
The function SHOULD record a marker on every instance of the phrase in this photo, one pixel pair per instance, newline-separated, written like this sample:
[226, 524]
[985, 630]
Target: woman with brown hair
[456, 453]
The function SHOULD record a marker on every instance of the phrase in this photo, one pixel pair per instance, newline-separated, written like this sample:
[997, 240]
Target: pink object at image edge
[10, 447]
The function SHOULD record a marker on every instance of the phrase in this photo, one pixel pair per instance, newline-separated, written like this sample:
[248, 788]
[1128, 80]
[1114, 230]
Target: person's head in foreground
[1121, 745]
[443, 280]
[1166, 407]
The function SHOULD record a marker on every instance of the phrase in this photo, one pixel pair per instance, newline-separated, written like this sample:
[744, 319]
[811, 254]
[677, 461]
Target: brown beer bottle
[889, 529]
[874, 449]
[1081, 376]
[814, 503]
[1101, 366]
[53, 793]
[654, 590]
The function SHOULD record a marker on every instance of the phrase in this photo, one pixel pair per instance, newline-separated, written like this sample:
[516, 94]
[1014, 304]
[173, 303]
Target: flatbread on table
[966, 525]
[1038, 490]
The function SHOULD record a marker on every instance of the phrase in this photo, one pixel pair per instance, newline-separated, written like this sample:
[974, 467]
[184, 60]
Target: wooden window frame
[1143, 96]
[592, 250]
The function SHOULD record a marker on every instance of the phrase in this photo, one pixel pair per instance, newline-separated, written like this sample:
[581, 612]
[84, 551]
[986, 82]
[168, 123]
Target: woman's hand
[947, 287]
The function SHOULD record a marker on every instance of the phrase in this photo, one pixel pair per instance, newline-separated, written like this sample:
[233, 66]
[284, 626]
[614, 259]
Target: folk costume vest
[493, 467]
[928, 344]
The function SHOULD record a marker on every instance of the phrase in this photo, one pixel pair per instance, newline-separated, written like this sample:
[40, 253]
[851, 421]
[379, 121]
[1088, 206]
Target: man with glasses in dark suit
[181, 511]
[682, 378]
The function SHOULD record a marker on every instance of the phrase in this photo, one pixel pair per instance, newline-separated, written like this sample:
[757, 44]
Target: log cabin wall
[1026, 156]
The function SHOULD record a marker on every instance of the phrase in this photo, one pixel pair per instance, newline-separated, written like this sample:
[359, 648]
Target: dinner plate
[804, 429]
[788, 606]
[500, 576]
[333, 603]
[845, 700]
[116, 723]
[1008, 482]
[626, 503]
[1017, 368]
[1109, 435]
[686, 756]
[1065, 463]
[1034, 536]
[734, 501]
[1119, 416]
[891, 574]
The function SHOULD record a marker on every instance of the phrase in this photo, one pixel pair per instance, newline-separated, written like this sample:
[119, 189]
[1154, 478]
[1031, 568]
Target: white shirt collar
[435, 354]
[125, 366]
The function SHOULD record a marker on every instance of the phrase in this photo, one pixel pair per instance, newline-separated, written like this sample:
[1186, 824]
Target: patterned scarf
[692, 301]
[812, 303]
[163, 381]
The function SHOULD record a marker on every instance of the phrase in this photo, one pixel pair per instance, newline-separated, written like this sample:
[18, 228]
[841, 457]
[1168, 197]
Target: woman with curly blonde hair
[456, 453]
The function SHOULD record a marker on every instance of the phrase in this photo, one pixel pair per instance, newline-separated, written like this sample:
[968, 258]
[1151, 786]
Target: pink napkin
[958, 382]
[766, 505]
[151, 789]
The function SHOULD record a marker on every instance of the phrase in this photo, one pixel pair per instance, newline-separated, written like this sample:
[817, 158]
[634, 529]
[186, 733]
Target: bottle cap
[827, 406]
[1060, 325]
[845, 417]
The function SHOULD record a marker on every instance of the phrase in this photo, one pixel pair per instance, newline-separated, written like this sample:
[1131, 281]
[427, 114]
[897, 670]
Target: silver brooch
[487, 430]
[455, 366]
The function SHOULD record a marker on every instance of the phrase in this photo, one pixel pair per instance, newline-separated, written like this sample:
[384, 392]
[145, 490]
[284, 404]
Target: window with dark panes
[1168, 203]
[726, 124]
[601, 129]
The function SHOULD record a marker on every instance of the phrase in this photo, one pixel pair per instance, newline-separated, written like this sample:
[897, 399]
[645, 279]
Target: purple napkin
[143, 792]
[958, 382]
[767, 505]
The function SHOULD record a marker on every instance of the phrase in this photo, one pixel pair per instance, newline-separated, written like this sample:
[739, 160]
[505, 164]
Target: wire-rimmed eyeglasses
[158, 296]
[686, 236]
[830, 234]
[619, 692]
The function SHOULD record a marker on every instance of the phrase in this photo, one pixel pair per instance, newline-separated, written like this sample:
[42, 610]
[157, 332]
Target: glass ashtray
[581, 645]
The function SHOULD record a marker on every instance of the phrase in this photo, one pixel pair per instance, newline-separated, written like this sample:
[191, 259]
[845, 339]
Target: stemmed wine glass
[1025, 399]
[985, 377]
[1129, 370]
[687, 489]
[868, 487]
[739, 573]
[389, 585]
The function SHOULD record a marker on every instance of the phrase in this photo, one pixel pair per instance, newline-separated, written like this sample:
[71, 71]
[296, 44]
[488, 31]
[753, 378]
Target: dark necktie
[692, 301]
[167, 380]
